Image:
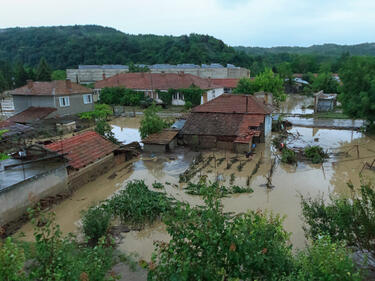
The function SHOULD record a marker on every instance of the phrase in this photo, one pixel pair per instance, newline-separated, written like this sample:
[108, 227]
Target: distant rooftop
[157, 66]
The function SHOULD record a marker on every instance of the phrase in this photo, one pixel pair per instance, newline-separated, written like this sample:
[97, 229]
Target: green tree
[151, 122]
[3, 83]
[266, 81]
[58, 75]
[325, 82]
[43, 72]
[137, 68]
[358, 90]
[21, 75]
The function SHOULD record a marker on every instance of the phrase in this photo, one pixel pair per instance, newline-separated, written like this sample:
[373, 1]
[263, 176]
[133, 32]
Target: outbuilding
[163, 141]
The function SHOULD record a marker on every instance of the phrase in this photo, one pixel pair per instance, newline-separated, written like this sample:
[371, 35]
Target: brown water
[297, 104]
[289, 181]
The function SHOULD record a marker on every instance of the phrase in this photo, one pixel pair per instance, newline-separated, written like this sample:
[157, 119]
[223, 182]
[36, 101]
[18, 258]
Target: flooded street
[289, 181]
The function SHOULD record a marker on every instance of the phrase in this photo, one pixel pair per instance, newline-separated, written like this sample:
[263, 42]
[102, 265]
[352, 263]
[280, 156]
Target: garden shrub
[151, 122]
[188, 105]
[315, 153]
[349, 219]
[58, 257]
[95, 221]
[288, 156]
[121, 96]
[12, 260]
[166, 97]
[208, 244]
[325, 260]
[137, 205]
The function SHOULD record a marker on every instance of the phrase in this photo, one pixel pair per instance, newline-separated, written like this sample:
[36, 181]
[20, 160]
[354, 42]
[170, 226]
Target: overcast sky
[263, 23]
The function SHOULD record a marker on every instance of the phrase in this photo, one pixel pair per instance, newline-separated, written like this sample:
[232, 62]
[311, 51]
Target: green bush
[151, 122]
[325, 260]
[344, 219]
[101, 111]
[188, 105]
[137, 205]
[288, 156]
[62, 258]
[315, 153]
[104, 129]
[12, 260]
[166, 97]
[96, 221]
[207, 244]
[121, 96]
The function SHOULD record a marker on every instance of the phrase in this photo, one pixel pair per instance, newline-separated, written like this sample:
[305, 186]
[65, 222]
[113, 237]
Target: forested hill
[68, 46]
[322, 50]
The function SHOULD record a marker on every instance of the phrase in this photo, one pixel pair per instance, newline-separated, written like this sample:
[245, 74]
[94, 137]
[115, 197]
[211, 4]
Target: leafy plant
[12, 260]
[288, 156]
[151, 122]
[157, 185]
[101, 111]
[325, 260]
[104, 129]
[315, 153]
[95, 221]
[344, 219]
[137, 205]
[208, 244]
[121, 96]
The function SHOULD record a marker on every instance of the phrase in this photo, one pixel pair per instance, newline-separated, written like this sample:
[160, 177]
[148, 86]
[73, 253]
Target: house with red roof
[232, 122]
[89, 155]
[152, 83]
[229, 84]
[40, 100]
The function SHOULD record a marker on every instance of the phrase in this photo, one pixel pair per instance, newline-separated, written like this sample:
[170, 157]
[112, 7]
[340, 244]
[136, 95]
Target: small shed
[324, 102]
[162, 141]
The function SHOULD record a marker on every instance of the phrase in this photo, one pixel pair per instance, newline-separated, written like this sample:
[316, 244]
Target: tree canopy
[43, 72]
[358, 89]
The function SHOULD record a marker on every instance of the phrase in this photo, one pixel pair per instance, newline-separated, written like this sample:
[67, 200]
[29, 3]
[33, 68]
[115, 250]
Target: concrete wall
[15, 200]
[76, 106]
[90, 172]
[23, 102]
[86, 76]
[242, 147]
[154, 148]
[267, 125]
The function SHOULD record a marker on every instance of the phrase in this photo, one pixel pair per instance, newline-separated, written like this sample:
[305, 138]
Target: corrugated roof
[226, 103]
[14, 128]
[32, 114]
[163, 137]
[53, 88]
[160, 81]
[83, 149]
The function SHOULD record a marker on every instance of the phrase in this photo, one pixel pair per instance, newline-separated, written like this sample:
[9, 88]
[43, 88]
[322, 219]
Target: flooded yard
[348, 151]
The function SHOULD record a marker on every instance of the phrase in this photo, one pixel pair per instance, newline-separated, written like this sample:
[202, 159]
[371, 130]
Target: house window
[64, 101]
[182, 97]
[175, 96]
[87, 98]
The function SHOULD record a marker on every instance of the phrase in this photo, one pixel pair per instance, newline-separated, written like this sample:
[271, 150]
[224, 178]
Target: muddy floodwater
[297, 104]
[348, 151]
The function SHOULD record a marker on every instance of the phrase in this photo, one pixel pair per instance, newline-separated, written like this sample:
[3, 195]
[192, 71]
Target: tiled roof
[219, 124]
[226, 103]
[53, 88]
[160, 81]
[226, 82]
[32, 114]
[163, 137]
[83, 149]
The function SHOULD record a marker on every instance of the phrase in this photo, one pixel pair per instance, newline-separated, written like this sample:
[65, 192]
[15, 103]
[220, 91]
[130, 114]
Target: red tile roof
[32, 114]
[226, 82]
[83, 149]
[226, 103]
[57, 87]
[220, 124]
[160, 81]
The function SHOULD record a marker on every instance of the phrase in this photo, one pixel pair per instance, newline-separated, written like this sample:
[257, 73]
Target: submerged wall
[15, 199]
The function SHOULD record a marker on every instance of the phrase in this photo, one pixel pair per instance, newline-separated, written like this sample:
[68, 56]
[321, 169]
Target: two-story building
[40, 100]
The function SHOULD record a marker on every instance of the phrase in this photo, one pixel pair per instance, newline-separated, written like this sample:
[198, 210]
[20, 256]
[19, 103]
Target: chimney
[247, 103]
[103, 75]
[68, 83]
[29, 83]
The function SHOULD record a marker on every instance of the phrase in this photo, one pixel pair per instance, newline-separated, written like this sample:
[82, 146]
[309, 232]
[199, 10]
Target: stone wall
[15, 200]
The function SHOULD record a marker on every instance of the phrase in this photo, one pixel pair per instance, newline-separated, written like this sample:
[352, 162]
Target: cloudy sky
[263, 23]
